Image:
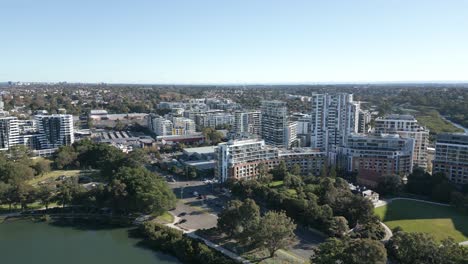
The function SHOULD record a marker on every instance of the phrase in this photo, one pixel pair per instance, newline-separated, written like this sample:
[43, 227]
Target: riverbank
[455, 124]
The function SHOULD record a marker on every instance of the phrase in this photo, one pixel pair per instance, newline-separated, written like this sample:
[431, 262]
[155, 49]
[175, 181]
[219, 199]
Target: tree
[23, 194]
[338, 226]
[146, 192]
[67, 191]
[280, 171]
[263, 175]
[41, 167]
[371, 228]
[275, 231]
[6, 194]
[296, 170]
[419, 182]
[417, 248]
[349, 251]
[45, 194]
[333, 172]
[66, 157]
[240, 219]
[228, 219]
[389, 185]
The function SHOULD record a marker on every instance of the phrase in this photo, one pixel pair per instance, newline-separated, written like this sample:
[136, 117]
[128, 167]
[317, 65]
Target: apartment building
[9, 132]
[54, 130]
[276, 128]
[183, 126]
[248, 123]
[239, 159]
[159, 125]
[365, 118]
[333, 118]
[407, 127]
[451, 157]
[375, 156]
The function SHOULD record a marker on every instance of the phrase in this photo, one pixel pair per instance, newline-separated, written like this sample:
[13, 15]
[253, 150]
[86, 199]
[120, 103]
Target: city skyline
[261, 42]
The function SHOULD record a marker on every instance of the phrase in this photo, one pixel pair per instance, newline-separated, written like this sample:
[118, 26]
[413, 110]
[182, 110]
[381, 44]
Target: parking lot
[198, 204]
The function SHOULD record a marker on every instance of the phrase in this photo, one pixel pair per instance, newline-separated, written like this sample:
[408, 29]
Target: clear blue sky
[238, 41]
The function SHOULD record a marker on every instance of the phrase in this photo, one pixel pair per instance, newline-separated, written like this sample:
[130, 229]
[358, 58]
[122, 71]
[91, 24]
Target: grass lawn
[281, 256]
[414, 216]
[56, 173]
[434, 122]
[4, 208]
[275, 184]
[165, 218]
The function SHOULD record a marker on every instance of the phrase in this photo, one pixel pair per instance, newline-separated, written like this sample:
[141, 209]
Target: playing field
[413, 216]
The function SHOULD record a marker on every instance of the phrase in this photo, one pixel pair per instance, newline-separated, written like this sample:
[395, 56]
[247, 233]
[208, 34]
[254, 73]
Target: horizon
[234, 43]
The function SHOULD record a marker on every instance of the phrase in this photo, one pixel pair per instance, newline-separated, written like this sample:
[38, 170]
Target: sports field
[413, 216]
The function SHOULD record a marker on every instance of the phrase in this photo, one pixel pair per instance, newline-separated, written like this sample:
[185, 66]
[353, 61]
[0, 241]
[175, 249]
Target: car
[182, 214]
[195, 193]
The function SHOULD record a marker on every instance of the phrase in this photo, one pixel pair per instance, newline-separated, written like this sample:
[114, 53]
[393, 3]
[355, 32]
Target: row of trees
[242, 221]
[403, 248]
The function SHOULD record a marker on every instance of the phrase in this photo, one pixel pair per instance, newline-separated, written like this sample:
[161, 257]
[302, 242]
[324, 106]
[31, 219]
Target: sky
[238, 41]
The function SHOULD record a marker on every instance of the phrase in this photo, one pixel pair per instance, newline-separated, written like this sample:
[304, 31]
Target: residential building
[239, 159]
[407, 127]
[276, 129]
[183, 126]
[54, 130]
[248, 123]
[451, 157]
[333, 118]
[375, 156]
[159, 125]
[303, 130]
[9, 132]
[365, 118]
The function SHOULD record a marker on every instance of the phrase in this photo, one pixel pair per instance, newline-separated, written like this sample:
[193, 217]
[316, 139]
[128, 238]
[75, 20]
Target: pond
[24, 242]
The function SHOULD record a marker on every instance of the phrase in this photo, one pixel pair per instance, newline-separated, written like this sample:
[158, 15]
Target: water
[25, 242]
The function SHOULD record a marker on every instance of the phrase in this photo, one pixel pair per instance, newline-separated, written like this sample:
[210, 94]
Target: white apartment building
[159, 125]
[248, 123]
[451, 157]
[407, 127]
[365, 118]
[239, 159]
[333, 118]
[54, 130]
[9, 132]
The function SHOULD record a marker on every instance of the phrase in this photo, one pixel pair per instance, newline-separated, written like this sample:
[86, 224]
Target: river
[457, 125]
[25, 242]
